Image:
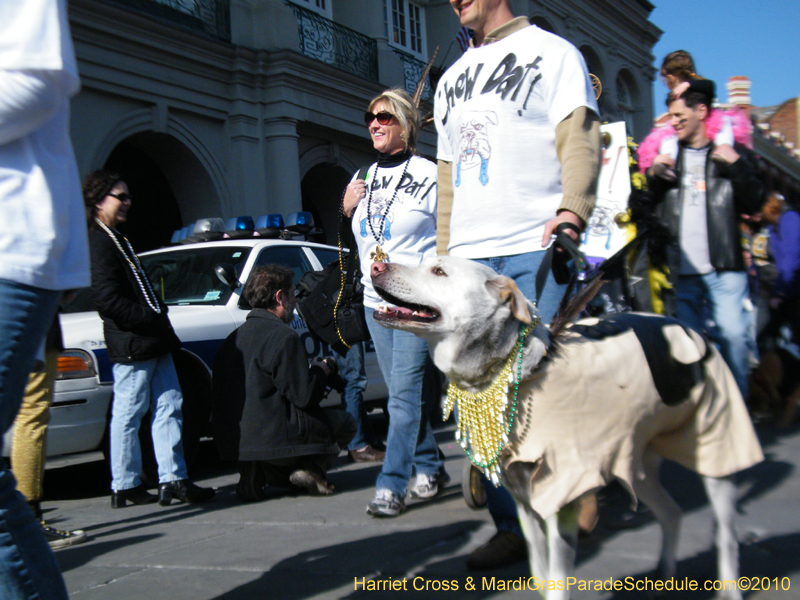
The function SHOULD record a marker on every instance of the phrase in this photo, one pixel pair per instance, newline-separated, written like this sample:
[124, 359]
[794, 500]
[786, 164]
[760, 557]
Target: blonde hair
[402, 108]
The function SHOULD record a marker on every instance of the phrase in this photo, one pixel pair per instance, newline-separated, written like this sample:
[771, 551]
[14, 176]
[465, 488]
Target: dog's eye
[439, 272]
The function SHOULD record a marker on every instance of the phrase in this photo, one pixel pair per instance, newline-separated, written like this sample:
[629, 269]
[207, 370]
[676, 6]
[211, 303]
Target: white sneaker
[386, 504]
[427, 486]
[61, 538]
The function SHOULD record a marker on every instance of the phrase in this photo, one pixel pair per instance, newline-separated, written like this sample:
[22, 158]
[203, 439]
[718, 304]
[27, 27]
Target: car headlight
[75, 364]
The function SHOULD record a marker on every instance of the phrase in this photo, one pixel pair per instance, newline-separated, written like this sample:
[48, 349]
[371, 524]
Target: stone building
[775, 136]
[249, 107]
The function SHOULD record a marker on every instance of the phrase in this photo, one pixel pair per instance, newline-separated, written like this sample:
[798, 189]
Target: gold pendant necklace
[378, 255]
[485, 418]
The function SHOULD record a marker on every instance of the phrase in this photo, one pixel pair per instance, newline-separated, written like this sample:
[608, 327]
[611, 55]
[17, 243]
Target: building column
[283, 165]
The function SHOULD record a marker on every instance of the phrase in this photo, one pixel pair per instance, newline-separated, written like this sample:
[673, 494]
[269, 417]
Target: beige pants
[29, 447]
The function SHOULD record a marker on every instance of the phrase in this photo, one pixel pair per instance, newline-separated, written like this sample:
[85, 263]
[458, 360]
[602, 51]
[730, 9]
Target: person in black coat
[266, 403]
[700, 196]
[140, 342]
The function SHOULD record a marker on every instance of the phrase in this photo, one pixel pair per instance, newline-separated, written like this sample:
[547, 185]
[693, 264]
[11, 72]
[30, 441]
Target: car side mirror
[227, 275]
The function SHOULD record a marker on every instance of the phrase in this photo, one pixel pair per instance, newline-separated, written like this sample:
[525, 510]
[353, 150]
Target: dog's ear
[509, 292]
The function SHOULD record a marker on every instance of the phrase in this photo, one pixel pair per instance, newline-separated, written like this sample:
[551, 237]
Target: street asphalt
[295, 547]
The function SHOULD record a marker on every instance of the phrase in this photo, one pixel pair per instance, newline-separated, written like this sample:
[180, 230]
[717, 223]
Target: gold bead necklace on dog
[485, 418]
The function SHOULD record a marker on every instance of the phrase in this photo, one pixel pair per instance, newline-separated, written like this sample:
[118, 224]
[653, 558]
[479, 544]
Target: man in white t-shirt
[519, 154]
[43, 246]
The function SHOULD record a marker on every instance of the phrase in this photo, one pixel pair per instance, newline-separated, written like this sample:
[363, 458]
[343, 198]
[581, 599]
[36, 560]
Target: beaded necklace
[138, 272]
[485, 418]
[379, 255]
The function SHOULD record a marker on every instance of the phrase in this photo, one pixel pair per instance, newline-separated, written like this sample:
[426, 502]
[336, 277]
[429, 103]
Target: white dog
[604, 399]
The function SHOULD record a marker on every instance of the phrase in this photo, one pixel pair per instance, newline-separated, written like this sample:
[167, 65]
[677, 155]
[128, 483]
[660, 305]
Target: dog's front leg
[562, 545]
[533, 527]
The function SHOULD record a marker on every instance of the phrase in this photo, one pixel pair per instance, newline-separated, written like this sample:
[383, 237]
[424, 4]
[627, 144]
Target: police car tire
[195, 380]
[195, 384]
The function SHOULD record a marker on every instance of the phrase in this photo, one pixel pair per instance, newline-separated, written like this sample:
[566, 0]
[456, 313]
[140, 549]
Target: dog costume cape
[590, 409]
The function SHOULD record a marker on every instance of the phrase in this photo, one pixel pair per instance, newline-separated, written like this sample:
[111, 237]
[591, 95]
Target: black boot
[137, 495]
[183, 491]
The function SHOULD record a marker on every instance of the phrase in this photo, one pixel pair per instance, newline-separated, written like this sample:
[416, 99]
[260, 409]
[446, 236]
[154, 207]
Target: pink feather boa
[742, 133]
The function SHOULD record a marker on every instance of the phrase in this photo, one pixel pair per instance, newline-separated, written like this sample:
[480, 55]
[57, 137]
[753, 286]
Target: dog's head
[469, 314]
[473, 143]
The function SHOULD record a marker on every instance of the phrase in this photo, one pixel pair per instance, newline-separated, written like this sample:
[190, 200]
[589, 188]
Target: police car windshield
[187, 276]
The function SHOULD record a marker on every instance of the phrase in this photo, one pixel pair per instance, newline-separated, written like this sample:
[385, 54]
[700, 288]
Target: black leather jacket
[133, 331]
[731, 190]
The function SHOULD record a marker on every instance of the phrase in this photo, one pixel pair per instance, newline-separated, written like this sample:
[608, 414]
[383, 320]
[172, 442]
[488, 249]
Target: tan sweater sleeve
[444, 203]
[578, 150]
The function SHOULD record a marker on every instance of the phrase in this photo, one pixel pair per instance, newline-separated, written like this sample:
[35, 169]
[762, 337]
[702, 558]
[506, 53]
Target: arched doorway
[169, 185]
[322, 189]
[154, 214]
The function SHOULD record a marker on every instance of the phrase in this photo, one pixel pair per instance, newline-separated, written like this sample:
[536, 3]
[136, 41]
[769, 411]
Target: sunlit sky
[757, 39]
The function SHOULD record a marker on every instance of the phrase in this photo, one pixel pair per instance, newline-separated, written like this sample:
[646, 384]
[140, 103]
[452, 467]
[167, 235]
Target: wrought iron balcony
[208, 17]
[413, 68]
[336, 44]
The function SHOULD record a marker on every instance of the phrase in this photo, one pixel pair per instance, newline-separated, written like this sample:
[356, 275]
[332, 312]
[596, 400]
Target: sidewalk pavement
[299, 547]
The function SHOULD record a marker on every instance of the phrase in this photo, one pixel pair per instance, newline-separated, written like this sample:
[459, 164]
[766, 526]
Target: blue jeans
[147, 384]
[522, 268]
[723, 293]
[353, 371]
[410, 377]
[28, 569]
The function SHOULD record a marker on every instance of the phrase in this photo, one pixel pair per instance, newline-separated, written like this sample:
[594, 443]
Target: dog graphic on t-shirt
[474, 149]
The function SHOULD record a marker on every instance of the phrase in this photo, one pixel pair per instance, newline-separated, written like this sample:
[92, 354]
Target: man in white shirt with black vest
[519, 154]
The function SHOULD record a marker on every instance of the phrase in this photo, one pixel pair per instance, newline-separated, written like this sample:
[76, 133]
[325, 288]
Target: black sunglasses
[121, 197]
[384, 118]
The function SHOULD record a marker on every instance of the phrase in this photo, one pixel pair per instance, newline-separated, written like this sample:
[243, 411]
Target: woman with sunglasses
[393, 211]
[140, 341]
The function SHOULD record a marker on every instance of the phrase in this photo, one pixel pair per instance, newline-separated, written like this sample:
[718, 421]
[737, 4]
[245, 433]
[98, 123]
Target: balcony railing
[207, 17]
[413, 68]
[336, 44]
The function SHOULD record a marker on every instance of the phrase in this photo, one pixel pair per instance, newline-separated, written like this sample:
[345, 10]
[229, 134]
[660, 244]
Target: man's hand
[565, 216]
[663, 167]
[353, 194]
[725, 153]
[322, 363]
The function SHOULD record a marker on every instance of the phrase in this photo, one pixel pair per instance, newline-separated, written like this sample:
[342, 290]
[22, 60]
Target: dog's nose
[377, 268]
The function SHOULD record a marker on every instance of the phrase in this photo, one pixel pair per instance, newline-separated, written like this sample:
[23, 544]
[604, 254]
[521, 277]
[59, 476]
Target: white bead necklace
[138, 272]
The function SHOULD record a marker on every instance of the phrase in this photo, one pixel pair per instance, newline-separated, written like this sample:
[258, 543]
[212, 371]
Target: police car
[205, 306]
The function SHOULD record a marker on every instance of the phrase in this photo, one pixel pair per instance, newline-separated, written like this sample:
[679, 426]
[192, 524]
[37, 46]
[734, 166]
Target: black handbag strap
[347, 239]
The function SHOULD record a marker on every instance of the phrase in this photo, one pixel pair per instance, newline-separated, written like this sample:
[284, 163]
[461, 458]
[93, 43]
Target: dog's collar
[485, 418]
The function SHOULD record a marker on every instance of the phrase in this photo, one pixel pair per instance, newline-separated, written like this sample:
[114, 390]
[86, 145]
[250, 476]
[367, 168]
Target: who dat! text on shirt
[407, 185]
[506, 77]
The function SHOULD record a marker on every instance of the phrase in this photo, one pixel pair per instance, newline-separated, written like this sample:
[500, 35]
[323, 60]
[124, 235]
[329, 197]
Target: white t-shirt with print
[695, 252]
[408, 234]
[496, 111]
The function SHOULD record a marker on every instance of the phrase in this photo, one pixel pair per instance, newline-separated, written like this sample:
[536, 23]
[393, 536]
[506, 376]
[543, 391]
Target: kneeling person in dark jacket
[266, 411]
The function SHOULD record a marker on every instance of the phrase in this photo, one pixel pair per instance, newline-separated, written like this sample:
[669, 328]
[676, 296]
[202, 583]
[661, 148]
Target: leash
[557, 261]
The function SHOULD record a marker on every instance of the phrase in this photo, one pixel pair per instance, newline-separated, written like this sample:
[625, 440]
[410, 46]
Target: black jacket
[731, 190]
[133, 331]
[266, 399]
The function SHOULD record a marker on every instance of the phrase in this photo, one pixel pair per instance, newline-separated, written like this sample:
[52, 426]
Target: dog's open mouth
[404, 311]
